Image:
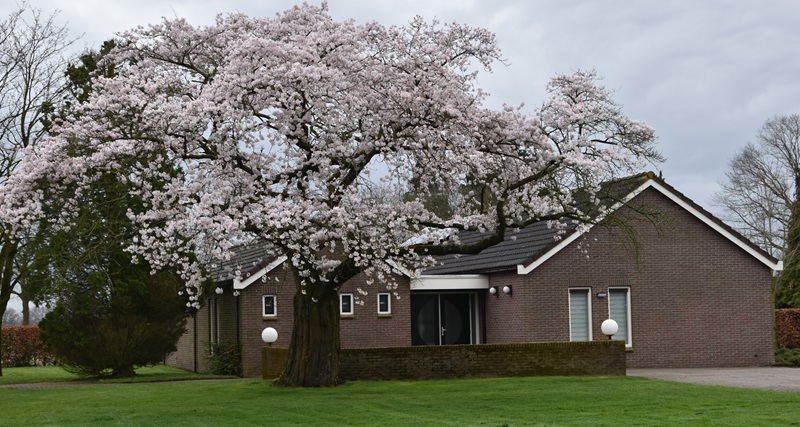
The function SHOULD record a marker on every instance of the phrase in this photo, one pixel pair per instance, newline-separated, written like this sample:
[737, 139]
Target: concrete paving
[767, 378]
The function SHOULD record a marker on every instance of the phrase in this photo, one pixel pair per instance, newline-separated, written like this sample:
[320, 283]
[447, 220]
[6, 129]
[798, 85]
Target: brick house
[686, 291]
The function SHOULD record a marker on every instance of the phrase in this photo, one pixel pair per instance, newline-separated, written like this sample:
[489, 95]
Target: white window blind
[579, 315]
[619, 310]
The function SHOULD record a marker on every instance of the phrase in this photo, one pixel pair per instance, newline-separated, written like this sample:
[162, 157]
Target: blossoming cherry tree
[271, 128]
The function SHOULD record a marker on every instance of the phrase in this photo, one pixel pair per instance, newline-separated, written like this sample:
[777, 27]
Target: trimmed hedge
[22, 347]
[787, 327]
[461, 361]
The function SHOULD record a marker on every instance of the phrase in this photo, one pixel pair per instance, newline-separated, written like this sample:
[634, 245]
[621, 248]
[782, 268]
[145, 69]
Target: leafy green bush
[787, 357]
[225, 358]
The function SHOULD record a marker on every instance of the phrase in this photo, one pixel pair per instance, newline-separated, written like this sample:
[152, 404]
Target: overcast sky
[704, 74]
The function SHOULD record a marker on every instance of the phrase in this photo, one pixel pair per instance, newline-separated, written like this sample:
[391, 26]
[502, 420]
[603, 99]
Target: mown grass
[550, 401]
[161, 373]
[35, 374]
[46, 374]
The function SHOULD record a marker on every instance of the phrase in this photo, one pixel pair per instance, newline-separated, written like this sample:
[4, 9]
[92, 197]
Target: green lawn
[36, 374]
[40, 374]
[551, 401]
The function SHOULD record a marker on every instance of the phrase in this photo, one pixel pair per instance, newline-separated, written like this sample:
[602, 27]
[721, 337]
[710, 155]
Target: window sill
[347, 316]
[384, 315]
[269, 317]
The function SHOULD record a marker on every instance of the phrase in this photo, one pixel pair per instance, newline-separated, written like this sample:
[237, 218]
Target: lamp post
[269, 335]
[609, 327]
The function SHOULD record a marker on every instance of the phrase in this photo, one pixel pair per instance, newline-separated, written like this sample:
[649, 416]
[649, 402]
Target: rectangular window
[346, 304]
[213, 320]
[270, 306]
[619, 303]
[580, 315]
[384, 304]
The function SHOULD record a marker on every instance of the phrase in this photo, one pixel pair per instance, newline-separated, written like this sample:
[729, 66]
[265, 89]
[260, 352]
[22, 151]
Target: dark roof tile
[246, 258]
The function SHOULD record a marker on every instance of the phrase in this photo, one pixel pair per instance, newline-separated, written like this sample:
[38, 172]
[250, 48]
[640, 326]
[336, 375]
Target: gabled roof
[522, 250]
[247, 260]
[518, 248]
[526, 249]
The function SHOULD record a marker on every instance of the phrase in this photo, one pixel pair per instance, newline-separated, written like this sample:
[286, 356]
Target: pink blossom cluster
[272, 128]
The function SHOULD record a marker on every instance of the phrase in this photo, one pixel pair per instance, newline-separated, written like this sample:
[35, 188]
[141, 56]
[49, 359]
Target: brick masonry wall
[278, 282]
[463, 361]
[365, 328]
[194, 346]
[184, 356]
[696, 299]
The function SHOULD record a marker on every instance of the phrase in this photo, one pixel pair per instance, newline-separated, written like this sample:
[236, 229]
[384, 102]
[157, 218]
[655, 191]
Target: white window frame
[388, 303]
[341, 304]
[213, 311]
[588, 292]
[274, 305]
[627, 289]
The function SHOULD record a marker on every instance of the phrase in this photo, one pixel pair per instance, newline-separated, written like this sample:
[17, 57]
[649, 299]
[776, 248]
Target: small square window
[346, 304]
[270, 306]
[384, 304]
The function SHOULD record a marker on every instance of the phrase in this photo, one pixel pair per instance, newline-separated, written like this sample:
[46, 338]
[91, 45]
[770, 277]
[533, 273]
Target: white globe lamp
[609, 327]
[269, 335]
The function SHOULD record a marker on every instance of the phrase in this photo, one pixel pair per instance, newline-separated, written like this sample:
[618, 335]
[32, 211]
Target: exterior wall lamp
[609, 327]
[602, 294]
[507, 290]
[493, 291]
[269, 335]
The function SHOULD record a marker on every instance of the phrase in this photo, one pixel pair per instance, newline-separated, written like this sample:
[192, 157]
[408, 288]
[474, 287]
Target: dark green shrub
[113, 330]
[225, 358]
[787, 357]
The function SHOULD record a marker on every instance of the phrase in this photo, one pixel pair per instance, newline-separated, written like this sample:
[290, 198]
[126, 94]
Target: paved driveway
[768, 378]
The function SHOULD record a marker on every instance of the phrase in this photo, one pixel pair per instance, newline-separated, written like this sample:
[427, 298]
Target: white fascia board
[402, 270]
[449, 282]
[776, 266]
[525, 269]
[241, 284]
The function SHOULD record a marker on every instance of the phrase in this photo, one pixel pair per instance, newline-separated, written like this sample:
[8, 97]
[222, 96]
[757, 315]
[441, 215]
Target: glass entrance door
[442, 318]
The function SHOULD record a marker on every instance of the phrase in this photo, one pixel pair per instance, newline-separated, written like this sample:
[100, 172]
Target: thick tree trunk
[2, 312]
[7, 253]
[313, 359]
[26, 309]
[123, 372]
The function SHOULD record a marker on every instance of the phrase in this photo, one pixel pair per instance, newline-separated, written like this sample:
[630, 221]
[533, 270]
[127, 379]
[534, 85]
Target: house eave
[446, 282]
[242, 284]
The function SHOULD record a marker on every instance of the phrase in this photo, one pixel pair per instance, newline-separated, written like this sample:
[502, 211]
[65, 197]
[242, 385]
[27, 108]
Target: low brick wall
[461, 361]
[273, 360]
